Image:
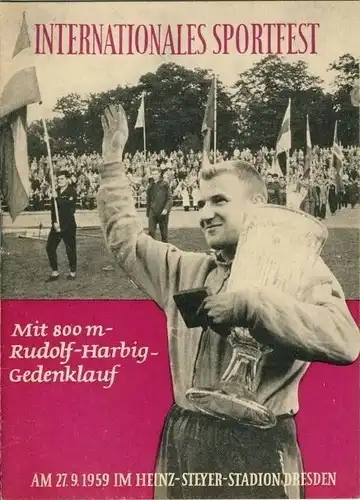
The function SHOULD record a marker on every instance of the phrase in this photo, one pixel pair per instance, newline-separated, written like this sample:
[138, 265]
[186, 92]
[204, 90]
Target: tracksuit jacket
[316, 327]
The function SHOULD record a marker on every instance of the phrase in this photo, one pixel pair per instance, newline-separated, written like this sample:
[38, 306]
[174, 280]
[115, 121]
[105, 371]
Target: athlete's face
[223, 199]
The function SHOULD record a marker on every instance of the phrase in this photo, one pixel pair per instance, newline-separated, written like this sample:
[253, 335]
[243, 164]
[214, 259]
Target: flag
[336, 150]
[20, 89]
[275, 167]
[337, 160]
[283, 142]
[140, 120]
[308, 153]
[209, 118]
[14, 164]
[355, 94]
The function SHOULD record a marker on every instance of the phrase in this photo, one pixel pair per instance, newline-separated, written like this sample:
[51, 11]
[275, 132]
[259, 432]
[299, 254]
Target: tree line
[249, 114]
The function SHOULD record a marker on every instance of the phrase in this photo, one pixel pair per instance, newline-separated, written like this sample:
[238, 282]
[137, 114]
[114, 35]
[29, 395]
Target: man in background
[273, 190]
[322, 194]
[353, 192]
[332, 197]
[158, 205]
[282, 191]
[309, 202]
[63, 226]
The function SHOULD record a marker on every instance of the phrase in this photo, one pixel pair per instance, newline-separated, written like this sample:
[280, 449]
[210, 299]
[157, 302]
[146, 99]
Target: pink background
[65, 428]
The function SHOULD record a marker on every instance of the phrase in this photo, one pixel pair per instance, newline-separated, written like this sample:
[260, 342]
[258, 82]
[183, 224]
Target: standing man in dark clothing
[317, 191]
[282, 190]
[35, 188]
[273, 190]
[340, 196]
[158, 205]
[64, 228]
[352, 192]
[345, 199]
[323, 197]
[333, 199]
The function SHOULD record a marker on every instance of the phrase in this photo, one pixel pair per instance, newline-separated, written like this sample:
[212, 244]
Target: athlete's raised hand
[116, 132]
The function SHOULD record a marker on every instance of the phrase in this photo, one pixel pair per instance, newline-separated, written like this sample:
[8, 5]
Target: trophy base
[244, 410]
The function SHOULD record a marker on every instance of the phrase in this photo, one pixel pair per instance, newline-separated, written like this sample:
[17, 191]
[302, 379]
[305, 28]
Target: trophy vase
[277, 247]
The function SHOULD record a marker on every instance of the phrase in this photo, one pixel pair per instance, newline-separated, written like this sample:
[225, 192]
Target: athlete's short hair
[244, 171]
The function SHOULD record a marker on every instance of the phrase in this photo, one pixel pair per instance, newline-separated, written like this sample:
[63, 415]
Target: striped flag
[140, 120]
[337, 160]
[308, 154]
[20, 89]
[283, 142]
[209, 118]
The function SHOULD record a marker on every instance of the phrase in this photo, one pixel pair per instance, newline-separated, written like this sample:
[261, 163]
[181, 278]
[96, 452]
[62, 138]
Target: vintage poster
[180, 208]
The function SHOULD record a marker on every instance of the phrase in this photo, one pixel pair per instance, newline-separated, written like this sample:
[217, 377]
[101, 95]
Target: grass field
[25, 266]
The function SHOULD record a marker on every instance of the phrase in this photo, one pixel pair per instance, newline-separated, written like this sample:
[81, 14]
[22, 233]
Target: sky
[61, 75]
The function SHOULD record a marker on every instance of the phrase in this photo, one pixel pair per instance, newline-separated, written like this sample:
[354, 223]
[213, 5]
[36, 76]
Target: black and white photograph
[293, 117]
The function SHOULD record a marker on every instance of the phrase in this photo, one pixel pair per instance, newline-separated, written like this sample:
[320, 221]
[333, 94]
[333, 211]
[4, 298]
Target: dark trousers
[163, 221]
[333, 203]
[322, 211]
[194, 442]
[54, 238]
[340, 201]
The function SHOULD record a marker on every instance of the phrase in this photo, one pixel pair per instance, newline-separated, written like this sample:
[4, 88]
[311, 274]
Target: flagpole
[144, 130]
[215, 119]
[308, 152]
[144, 134]
[52, 179]
[287, 167]
[306, 133]
[332, 149]
[288, 150]
[358, 84]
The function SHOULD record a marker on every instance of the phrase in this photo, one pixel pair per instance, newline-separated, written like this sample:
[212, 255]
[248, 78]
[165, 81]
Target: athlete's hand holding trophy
[277, 247]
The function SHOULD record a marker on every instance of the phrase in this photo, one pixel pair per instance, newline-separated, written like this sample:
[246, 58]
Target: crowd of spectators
[181, 169]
